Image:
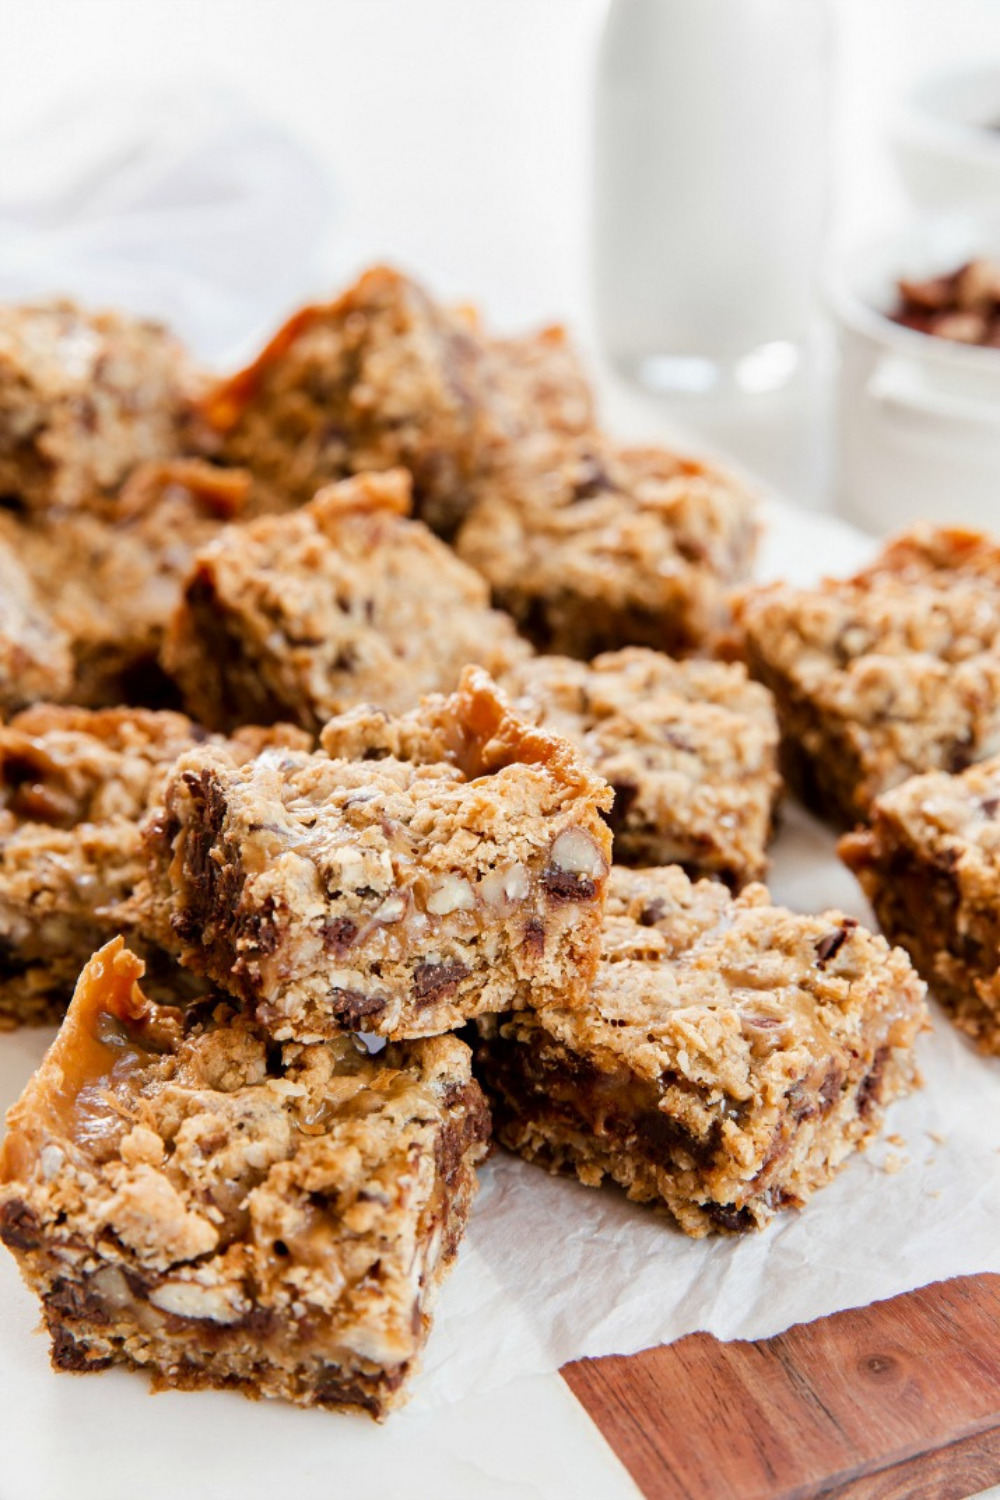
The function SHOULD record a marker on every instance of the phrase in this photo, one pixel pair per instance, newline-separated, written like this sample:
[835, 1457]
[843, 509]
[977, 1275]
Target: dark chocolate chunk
[433, 982]
[534, 937]
[829, 946]
[562, 885]
[727, 1216]
[658, 1136]
[68, 1354]
[831, 1087]
[352, 1008]
[592, 479]
[69, 1300]
[869, 1092]
[18, 1225]
[625, 794]
[339, 934]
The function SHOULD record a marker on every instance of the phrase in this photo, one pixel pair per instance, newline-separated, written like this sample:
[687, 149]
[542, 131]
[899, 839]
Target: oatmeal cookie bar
[731, 1058]
[422, 870]
[112, 581]
[592, 547]
[84, 398]
[188, 1199]
[930, 866]
[35, 659]
[74, 787]
[689, 748]
[384, 377]
[347, 601]
[888, 673]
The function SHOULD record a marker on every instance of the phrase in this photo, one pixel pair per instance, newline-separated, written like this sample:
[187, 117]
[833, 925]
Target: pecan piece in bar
[384, 377]
[421, 870]
[592, 547]
[347, 601]
[889, 673]
[188, 1199]
[930, 866]
[731, 1057]
[689, 748]
[74, 788]
[84, 398]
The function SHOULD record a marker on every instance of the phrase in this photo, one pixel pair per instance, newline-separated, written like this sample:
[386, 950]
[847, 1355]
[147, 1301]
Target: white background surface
[457, 136]
[456, 132]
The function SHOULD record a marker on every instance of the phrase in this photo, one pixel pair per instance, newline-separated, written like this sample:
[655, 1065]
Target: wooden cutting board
[898, 1401]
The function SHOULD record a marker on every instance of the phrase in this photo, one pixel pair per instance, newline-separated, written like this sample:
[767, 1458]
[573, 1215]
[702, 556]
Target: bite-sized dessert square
[891, 672]
[35, 658]
[731, 1057]
[421, 870]
[187, 1198]
[930, 865]
[112, 581]
[689, 747]
[592, 547]
[347, 601]
[385, 377]
[84, 398]
[74, 788]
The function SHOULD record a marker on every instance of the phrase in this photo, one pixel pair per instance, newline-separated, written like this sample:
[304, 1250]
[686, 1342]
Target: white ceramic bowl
[919, 416]
[946, 139]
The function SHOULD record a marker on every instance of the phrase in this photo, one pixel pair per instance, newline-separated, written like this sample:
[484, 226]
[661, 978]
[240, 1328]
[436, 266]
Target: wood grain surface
[898, 1401]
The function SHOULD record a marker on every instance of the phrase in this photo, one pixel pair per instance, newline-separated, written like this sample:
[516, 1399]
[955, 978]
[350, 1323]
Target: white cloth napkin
[186, 205]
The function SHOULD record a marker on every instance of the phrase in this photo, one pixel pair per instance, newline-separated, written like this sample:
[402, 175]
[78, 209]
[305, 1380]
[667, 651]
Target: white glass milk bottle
[711, 178]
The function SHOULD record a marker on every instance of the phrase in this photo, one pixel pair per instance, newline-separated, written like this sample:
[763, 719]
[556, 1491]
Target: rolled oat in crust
[187, 1198]
[732, 1055]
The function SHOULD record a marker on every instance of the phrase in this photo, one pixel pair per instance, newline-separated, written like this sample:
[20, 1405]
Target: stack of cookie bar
[349, 795]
